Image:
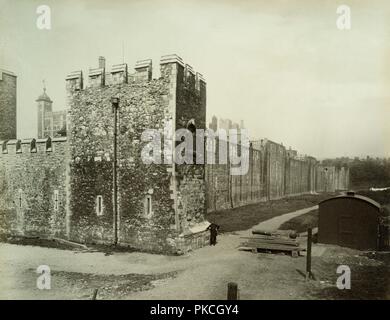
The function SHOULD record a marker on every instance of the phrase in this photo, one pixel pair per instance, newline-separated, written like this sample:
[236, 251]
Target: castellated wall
[273, 174]
[177, 193]
[63, 187]
[33, 187]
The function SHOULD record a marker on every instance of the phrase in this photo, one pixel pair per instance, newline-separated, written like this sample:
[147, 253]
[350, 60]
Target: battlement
[96, 77]
[143, 70]
[119, 73]
[18, 146]
[9, 73]
[99, 77]
[74, 81]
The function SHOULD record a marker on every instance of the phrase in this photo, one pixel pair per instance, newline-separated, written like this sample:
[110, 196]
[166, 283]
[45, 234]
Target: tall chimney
[102, 62]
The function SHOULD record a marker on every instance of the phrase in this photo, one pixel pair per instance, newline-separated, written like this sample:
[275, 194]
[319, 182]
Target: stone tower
[159, 206]
[44, 106]
[7, 105]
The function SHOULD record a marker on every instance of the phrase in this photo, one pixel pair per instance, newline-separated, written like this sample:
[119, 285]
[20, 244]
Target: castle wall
[7, 105]
[33, 189]
[176, 193]
[297, 176]
[276, 157]
[272, 174]
[143, 104]
[64, 188]
[190, 113]
[218, 189]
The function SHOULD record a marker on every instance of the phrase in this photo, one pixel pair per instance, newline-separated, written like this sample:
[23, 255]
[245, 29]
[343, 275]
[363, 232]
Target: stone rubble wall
[63, 187]
[33, 188]
[273, 174]
[177, 97]
[8, 85]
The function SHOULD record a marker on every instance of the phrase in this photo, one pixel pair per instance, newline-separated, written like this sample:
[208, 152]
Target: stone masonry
[64, 186]
[176, 193]
[7, 105]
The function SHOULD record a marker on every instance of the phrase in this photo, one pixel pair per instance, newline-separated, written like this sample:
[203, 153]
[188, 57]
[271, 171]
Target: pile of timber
[271, 242]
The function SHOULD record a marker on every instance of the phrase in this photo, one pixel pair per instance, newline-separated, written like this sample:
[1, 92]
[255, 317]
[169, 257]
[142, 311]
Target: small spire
[44, 85]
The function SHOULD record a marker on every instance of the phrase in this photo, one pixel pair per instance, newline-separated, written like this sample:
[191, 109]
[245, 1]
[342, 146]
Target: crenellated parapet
[96, 77]
[143, 70]
[173, 64]
[189, 76]
[119, 73]
[170, 65]
[24, 146]
[74, 81]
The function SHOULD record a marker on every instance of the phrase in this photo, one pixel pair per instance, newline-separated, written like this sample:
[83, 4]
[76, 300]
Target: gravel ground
[202, 274]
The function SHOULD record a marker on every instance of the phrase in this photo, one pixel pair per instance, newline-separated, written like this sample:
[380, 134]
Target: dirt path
[216, 266]
[202, 274]
[275, 223]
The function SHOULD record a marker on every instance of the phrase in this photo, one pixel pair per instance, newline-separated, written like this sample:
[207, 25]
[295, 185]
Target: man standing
[213, 233]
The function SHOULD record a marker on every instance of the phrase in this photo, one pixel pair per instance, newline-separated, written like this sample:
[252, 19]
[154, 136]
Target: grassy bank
[302, 223]
[245, 217]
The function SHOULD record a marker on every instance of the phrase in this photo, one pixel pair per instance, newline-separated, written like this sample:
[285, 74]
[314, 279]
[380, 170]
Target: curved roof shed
[350, 221]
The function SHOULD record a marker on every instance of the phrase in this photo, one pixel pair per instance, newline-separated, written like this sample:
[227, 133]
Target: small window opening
[20, 200]
[148, 205]
[99, 205]
[56, 200]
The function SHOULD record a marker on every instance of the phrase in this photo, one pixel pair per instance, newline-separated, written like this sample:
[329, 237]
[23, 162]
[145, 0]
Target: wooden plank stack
[271, 242]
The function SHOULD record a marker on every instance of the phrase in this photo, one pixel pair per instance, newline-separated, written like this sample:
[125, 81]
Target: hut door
[345, 234]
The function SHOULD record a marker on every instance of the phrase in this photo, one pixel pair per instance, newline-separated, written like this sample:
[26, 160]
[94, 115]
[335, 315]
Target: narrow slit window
[20, 198]
[56, 200]
[99, 205]
[148, 205]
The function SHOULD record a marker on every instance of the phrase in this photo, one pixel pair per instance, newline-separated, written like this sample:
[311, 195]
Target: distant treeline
[365, 173]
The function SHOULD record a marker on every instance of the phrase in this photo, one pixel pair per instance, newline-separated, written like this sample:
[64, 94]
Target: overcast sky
[281, 66]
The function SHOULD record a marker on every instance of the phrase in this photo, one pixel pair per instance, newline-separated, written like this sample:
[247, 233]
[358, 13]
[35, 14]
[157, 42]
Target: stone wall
[7, 105]
[273, 174]
[275, 167]
[176, 193]
[298, 176]
[64, 188]
[190, 199]
[33, 187]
